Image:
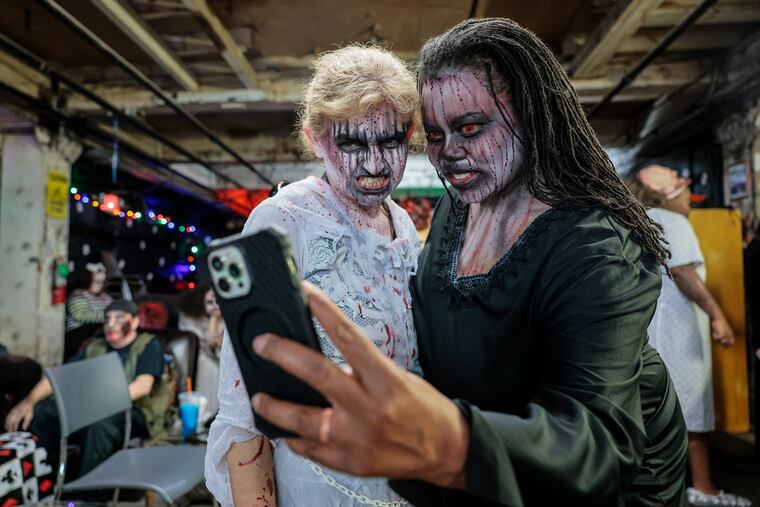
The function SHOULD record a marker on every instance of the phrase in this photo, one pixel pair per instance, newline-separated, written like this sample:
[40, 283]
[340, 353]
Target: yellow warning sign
[57, 194]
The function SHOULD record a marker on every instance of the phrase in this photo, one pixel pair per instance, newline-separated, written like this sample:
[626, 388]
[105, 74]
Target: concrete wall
[31, 241]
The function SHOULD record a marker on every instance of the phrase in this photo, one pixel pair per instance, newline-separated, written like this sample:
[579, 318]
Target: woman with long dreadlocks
[531, 303]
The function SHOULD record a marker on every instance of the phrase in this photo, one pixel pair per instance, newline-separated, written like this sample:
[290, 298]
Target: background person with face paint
[199, 314]
[352, 240]
[143, 362]
[531, 301]
[84, 306]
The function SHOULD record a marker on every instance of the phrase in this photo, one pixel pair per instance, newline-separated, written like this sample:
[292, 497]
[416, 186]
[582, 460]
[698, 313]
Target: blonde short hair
[349, 81]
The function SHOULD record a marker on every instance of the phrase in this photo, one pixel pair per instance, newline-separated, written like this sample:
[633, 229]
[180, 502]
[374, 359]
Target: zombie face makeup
[119, 328]
[365, 156]
[473, 141]
[209, 303]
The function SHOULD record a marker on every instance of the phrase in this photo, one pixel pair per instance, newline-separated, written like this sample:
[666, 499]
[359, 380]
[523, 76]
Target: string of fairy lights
[111, 204]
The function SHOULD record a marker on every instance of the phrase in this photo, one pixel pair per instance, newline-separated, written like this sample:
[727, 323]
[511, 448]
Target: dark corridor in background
[143, 250]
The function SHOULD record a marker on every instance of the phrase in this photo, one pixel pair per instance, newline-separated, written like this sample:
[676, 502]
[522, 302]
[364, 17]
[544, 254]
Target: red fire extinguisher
[59, 275]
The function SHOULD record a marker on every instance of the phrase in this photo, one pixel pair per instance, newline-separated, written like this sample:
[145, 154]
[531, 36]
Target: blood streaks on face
[473, 134]
[366, 154]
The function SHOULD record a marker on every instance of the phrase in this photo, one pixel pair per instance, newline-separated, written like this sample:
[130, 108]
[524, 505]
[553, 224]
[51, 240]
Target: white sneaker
[699, 499]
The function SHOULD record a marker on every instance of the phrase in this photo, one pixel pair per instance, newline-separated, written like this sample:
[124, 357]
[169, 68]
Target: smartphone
[259, 291]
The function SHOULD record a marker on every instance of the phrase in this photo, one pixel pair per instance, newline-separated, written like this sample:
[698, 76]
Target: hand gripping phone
[258, 291]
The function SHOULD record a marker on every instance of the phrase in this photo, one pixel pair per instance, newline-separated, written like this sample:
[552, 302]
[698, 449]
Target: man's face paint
[118, 327]
[473, 142]
[365, 156]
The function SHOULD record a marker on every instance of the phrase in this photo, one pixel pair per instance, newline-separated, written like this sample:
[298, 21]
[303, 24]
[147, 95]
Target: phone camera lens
[224, 285]
[217, 264]
[234, 270]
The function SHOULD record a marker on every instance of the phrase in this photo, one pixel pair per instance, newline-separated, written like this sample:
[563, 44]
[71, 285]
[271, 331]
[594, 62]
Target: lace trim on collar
[505, 269]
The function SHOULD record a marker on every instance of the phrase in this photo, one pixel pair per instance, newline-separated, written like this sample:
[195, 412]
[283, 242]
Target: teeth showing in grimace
[373, 182]
[461, 176]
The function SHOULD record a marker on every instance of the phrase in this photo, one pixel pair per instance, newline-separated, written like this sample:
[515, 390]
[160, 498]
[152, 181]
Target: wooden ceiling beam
[697, 38]
[231, 51]
[722, 13]
[130, 23]
[618, 25]
[286, 92]
[654, 81]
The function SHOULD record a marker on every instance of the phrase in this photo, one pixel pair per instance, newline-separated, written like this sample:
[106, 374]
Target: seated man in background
[143, 362]
[18, 375]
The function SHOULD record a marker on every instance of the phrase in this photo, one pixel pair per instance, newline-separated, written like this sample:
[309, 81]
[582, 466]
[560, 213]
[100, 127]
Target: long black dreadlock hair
[564, 164]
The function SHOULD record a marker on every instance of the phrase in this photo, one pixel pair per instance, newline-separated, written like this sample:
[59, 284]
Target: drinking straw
[189, 384]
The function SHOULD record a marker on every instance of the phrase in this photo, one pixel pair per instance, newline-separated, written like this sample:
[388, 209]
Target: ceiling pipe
[83, 129]
[73, 23]
[672, 35]
[37, 63]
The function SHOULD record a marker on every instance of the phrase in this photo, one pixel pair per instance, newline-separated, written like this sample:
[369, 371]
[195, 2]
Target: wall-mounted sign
[737, 181]
[57, 195]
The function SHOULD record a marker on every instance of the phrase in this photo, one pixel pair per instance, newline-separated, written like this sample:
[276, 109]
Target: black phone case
[275, 304]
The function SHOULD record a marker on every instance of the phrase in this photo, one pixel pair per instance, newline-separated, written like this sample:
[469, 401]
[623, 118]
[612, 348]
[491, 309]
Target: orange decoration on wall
[242, 200]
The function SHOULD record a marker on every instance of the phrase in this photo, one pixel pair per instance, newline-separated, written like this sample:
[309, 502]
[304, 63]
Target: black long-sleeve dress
[547, 357]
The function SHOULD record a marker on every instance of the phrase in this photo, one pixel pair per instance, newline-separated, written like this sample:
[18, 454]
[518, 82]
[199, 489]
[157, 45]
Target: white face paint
[473, 141]
[365, 155]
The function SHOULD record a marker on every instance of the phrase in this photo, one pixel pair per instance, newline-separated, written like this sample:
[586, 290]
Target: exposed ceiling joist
[655, 80]
[260, 147]
[618, 25]
[14, 73]
[160, 4]
[697, 38]
[232, 53]
[723, 13]
[131, 99]
[187, 40]
[163, 15]
[129, 22]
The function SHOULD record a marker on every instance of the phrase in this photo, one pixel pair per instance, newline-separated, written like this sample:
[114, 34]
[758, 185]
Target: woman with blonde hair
[360, 110]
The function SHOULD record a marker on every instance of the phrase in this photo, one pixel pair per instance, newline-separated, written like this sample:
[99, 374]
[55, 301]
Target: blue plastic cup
[188, 412]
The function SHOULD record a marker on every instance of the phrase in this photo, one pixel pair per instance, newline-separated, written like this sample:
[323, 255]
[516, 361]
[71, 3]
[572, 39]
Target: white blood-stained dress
[367, 275]
[680, 330]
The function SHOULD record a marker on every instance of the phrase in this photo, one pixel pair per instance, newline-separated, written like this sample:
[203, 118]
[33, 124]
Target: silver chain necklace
[362, 499]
